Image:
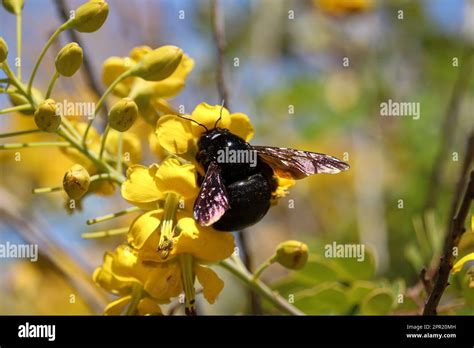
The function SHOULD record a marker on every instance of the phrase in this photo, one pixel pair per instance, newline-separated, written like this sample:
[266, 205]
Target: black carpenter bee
[240, 178]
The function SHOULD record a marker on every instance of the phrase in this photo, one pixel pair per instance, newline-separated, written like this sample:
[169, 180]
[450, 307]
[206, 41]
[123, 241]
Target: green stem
[105, 176]
[70, 128]
[119, 154]
[103, 141]
[15, 109]
[260, 288]
[43, 52]
[14, 146]
[137, 294]
[106, 233]
[112, 216]
[14, 134]
[15, 82]
[101, 101]
[47, 189]
[119, 177]
[54, 78]
[263, 267]
[18, 43]
[186, 262]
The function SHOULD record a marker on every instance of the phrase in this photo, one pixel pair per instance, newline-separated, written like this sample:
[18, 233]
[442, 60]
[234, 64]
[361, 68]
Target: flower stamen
[167, 226]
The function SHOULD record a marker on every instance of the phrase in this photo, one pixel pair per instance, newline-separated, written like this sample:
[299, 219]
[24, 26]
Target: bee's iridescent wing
[298, 164]
[212, 201]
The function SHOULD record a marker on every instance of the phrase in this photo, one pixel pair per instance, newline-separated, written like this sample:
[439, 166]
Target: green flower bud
[292, 254]
[90, 16]
[69, 59]
[123, 114]
[13, 6]
[45, 116]
[159, 63]
[76, 181]
[3, 50]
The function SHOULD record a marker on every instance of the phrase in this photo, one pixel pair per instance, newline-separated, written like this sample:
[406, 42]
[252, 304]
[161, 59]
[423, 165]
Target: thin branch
[456, 229]
[219, 39]
[218, 30]
[448, 126]
[428, 286]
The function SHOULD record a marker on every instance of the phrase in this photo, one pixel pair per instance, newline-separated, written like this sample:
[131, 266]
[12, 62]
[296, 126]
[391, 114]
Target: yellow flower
[158, 189]
[145, 187]
[146, 306]
[204, 243]
[149, 96]
[179, 136]
[342, 7]
[122, 271]
[283, 184]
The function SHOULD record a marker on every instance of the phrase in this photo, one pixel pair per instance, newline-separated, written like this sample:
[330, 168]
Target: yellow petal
[145, 227]
[125, 260]
[162, 106]
[138, 52]
[178, 178]
[103, 187]
[140, 187]
[283, 185]
[211, 283]
[204, 243]
[105, 278]
[131, 146]
[460, 264]
[116, 307]
[156, 148]
[240, 125]
[208, 115]
[164, 280]
[173, 84]
[112, 68]
[147, 306]
[174, 134]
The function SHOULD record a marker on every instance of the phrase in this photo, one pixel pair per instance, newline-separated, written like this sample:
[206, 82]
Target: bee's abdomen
[249, 202]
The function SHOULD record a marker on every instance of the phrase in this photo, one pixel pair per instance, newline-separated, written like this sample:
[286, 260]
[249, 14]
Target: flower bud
[45, 116]
[123, 114]
[69, 59]
[13, 6]
[76, 181]
[292, 254]
[159, 63]
[90, 16]
[3, 50]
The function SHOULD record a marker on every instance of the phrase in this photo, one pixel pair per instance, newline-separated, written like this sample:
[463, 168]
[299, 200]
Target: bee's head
[212, 136]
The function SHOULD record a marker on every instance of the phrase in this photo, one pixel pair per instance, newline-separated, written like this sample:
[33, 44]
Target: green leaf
[319, 270]
[350, 269]
[378, 302]
[359, 290]
[325, 299]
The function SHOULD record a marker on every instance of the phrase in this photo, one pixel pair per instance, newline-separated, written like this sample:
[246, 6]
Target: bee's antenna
[190, 119]
[220, 114]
